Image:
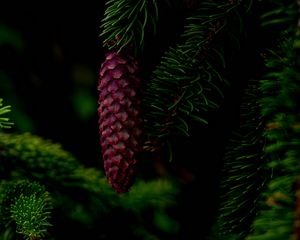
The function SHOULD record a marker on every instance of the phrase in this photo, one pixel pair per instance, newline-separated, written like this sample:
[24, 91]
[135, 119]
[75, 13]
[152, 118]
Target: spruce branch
[244, 173]
[34, 156]
[158, 193]
[26, 205]
[79, 195]
[125, 22]
[188, 82]
[4, 122]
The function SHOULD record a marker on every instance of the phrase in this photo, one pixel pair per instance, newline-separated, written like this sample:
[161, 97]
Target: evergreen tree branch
[125, 23]
[36, 157]
[244, 174]
[188, 81]
[157, 193]
[79, 195]
[27, 206]
[156, 196]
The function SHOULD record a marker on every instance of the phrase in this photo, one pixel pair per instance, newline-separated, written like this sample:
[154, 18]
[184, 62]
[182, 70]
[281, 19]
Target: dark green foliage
[76, 195]
[188, 83]
[258, 189]
[244, 173]
[283, 149]
[125, 23]
[35, 156]
[281, 15]
[280, 106]
[276, 219]
[150, 193]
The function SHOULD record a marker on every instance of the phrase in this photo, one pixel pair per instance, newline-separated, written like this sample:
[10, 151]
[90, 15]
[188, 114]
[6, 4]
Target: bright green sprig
[4, 122]
[124, 22]
[31, 216]
[28, 205]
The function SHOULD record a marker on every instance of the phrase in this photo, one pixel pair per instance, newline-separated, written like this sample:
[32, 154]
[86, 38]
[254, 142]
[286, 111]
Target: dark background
[50, 56]
[49, 63]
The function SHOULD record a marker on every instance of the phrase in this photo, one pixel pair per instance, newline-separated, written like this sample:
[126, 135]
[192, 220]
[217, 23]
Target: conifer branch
[156, 194]
[41, 159]
[79, 194]
[188, 81]
[125, 22]
[244, 175]
[28, 206]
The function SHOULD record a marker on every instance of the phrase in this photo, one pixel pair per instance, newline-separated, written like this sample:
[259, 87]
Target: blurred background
[49, 60]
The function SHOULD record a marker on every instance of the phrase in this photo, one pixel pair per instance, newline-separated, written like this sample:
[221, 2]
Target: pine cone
[120, 124]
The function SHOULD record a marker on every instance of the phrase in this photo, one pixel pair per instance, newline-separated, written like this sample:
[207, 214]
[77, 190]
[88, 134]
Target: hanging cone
[119, 119]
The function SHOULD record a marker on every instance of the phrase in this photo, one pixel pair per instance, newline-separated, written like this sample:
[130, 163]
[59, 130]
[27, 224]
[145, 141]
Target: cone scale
[120, 124]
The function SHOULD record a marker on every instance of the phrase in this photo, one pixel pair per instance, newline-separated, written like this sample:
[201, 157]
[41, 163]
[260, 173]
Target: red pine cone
[119, 119]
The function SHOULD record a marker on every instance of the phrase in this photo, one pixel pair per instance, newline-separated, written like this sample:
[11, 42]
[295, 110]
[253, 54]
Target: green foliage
[276, 219]
[4, 122]
[189, 80]
[30, 208]
[261, 167]
[79, 195]
[33, 155]
[125, 22]
[151, 194]
[281, 13]
[244, 173]
[26, 206]
[280, 107]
